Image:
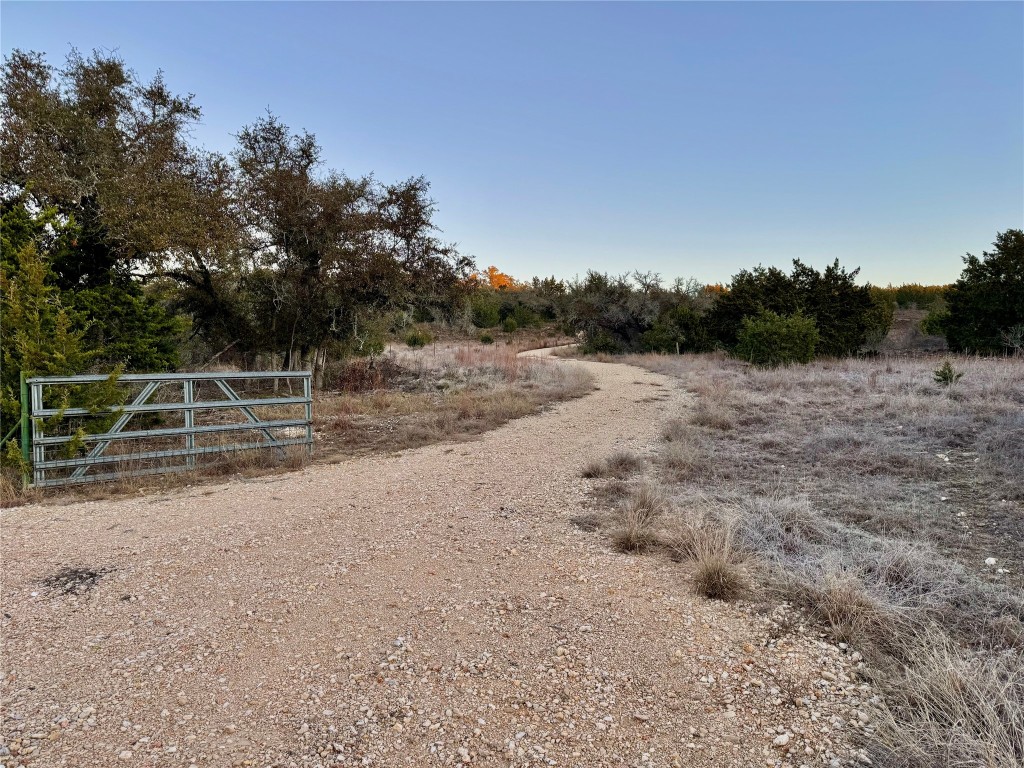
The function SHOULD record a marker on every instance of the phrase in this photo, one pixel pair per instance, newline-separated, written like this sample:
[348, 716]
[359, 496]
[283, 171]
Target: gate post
[26, 437]
[190, 438]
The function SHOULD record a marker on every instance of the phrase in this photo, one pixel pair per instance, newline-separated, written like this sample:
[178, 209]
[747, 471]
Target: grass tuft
[619, 466]
[636, 531]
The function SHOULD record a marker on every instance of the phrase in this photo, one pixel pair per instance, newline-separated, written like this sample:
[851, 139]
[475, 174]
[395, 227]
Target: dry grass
[718, 568]
[675, 431]
[870, 496]
[716, 577]
[249, 463]
[619, 466]
[952, 707]
[636, 530]
[447, 395]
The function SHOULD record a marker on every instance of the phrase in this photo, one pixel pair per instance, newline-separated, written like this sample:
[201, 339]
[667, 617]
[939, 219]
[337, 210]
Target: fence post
[307, 392]
[26, 437]
[190, 438]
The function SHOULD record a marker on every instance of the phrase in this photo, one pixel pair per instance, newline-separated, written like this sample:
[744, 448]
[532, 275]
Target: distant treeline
[913, 295]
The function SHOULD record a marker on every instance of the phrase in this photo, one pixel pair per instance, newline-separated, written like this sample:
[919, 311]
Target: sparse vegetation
[717, 577]
[454, 394]
[619, 465]
[876, 500]
[393, 403]
[636, 529]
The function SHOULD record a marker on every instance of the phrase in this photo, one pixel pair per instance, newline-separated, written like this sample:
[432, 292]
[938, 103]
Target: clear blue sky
[691, 139]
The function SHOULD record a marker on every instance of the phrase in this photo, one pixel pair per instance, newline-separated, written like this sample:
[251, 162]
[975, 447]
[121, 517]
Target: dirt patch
[74, 581]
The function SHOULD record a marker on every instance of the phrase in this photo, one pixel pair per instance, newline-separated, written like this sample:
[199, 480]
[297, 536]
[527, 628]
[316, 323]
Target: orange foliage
[497, 280]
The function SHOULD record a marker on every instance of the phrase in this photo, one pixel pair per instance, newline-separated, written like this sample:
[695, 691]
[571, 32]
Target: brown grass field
[889, 507]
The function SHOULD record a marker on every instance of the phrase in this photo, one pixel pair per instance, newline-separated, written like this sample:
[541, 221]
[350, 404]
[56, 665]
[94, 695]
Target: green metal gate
[172, 421]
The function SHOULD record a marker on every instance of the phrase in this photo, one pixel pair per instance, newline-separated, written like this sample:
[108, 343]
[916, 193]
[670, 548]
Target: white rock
[990, 561]
[781, 741]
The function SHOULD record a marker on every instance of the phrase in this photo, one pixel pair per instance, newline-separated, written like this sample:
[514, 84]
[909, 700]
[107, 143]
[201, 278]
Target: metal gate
[184, 417]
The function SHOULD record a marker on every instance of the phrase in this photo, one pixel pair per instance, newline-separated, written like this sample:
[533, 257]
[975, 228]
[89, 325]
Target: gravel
[430, 608]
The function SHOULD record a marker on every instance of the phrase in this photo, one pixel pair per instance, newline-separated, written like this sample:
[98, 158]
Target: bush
[485, 310]
[934, 323]
[770, 339]
[598, 343]
[716, 577]
[486, 338]
[418, 338]
[946, 375]
[510, 325]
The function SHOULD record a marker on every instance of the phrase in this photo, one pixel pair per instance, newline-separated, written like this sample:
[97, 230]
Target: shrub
[485, 310]
[418, 338]
[718, 571]
[946, 375]
[770, 339]
[600, 342]
[510, 325]
[486, 338]
[934, 323]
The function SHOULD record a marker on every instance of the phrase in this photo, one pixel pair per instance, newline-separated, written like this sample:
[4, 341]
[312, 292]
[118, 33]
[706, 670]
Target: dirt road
[431, 608]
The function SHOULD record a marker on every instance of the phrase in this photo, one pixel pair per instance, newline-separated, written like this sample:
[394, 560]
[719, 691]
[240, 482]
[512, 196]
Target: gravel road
[431, 608]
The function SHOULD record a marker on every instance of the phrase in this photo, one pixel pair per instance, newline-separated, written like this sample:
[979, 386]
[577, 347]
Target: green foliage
[41, 337]
[912, 295]
[988, 298]
[485, 309]
[128, 327]
[878, 319]
[679, 329]
[770, 339]
[846, 316]
[946, 375]
[750, 293]
[418, 338]
[523, 316]
[612, 312]
[934, 323]
[486, 338]
[270, 251]
[509, 325]
[663, 337]
[600, 342]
